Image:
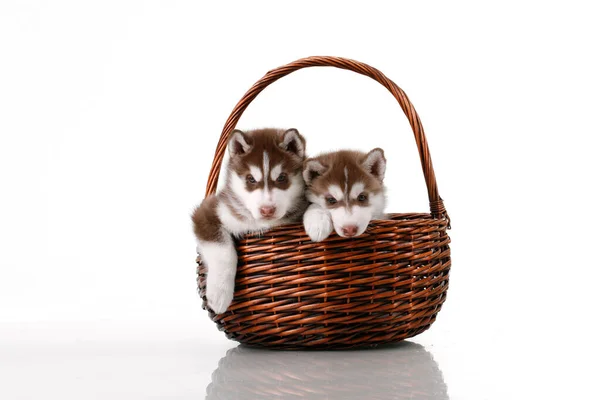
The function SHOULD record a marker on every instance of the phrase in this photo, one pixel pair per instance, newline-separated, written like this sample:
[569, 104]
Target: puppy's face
[266, 171]
[349, 185]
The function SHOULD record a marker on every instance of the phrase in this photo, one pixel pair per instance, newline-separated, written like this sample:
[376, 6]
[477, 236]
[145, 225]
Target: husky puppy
[346, 191]
[264, 188]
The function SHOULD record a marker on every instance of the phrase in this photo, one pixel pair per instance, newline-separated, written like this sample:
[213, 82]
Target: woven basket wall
[381, 287]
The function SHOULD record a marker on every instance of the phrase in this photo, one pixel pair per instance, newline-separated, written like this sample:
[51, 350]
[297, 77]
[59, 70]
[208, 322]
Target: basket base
[325, 342]
[346, 336]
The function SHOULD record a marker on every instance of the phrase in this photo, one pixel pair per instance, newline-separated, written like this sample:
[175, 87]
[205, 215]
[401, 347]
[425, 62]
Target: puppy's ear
[293, 142]
[374, 162]
[313, 168]
[239, 143]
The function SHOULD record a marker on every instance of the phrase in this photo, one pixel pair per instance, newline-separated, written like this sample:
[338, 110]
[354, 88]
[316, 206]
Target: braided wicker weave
[381, 287]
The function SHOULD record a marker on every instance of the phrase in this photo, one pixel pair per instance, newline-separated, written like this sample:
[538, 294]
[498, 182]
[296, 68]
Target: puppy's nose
[267, 211]
[349, 230]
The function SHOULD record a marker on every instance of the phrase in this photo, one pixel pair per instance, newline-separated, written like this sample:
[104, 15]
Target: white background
[109, 116]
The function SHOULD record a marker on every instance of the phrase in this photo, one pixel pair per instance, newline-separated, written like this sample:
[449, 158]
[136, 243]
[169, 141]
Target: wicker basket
[381, 287]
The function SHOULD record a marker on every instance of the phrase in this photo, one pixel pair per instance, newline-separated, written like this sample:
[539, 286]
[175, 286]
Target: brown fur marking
[207, 225]
[268, 140]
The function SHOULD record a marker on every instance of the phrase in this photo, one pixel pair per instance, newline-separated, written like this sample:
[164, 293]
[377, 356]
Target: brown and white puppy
[263, 189]
[346, 192]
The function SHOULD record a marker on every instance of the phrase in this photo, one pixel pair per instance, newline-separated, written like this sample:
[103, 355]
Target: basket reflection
[403, 371]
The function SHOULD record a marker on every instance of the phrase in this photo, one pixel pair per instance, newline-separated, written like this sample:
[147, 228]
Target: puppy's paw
[221, 259]
[317, 225]
[220, 295]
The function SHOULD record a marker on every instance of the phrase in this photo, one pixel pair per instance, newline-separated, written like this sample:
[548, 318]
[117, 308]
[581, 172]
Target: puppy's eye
[282, 178]
[250, 179]
[330, 200]
[362, 197]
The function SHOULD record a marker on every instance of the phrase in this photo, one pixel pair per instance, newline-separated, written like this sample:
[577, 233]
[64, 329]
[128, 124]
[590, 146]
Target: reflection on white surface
[404, 371]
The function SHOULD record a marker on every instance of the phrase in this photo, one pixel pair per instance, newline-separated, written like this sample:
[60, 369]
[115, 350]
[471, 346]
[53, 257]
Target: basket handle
[436, 203]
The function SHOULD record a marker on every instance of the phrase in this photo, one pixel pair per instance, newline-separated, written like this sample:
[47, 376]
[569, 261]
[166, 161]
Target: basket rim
[393, 219]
